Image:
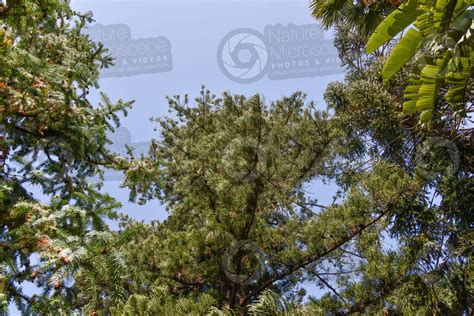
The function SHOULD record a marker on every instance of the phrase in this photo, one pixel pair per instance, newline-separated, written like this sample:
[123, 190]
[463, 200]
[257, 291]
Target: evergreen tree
[233, 171]
[51, 138]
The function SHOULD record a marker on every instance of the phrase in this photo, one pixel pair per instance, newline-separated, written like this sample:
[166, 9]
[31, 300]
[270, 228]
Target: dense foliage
[442, 34]
[244, 235]
[51, 139]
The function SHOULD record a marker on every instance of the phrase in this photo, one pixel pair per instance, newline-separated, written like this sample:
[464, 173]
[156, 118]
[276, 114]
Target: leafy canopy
[440, 39]
[243, 233]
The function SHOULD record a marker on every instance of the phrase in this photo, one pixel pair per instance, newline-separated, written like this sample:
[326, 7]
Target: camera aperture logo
[437, 157]
[281, 52]
[243, 55]
[132, 56]
[243, 262]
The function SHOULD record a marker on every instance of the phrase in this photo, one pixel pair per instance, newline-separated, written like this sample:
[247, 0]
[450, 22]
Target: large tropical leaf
[402, 53]
[411, 95]
[393, 24]
[431, 77]
[439, 31]
[459, 73]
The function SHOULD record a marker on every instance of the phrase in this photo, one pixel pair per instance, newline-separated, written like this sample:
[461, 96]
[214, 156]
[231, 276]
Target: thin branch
[330, 287]
[354, 232]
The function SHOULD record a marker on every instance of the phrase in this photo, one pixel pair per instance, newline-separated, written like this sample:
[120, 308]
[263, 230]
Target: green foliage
[159, 303]
[54, 139]
[364, 16]
[234, 171]
[402, 53]
[367, 105]
[393, 24]
[442, 37]
[261, 197]
[270, 304]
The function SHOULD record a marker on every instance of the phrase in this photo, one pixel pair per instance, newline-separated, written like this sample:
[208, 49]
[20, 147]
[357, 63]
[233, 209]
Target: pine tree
[233, 173]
